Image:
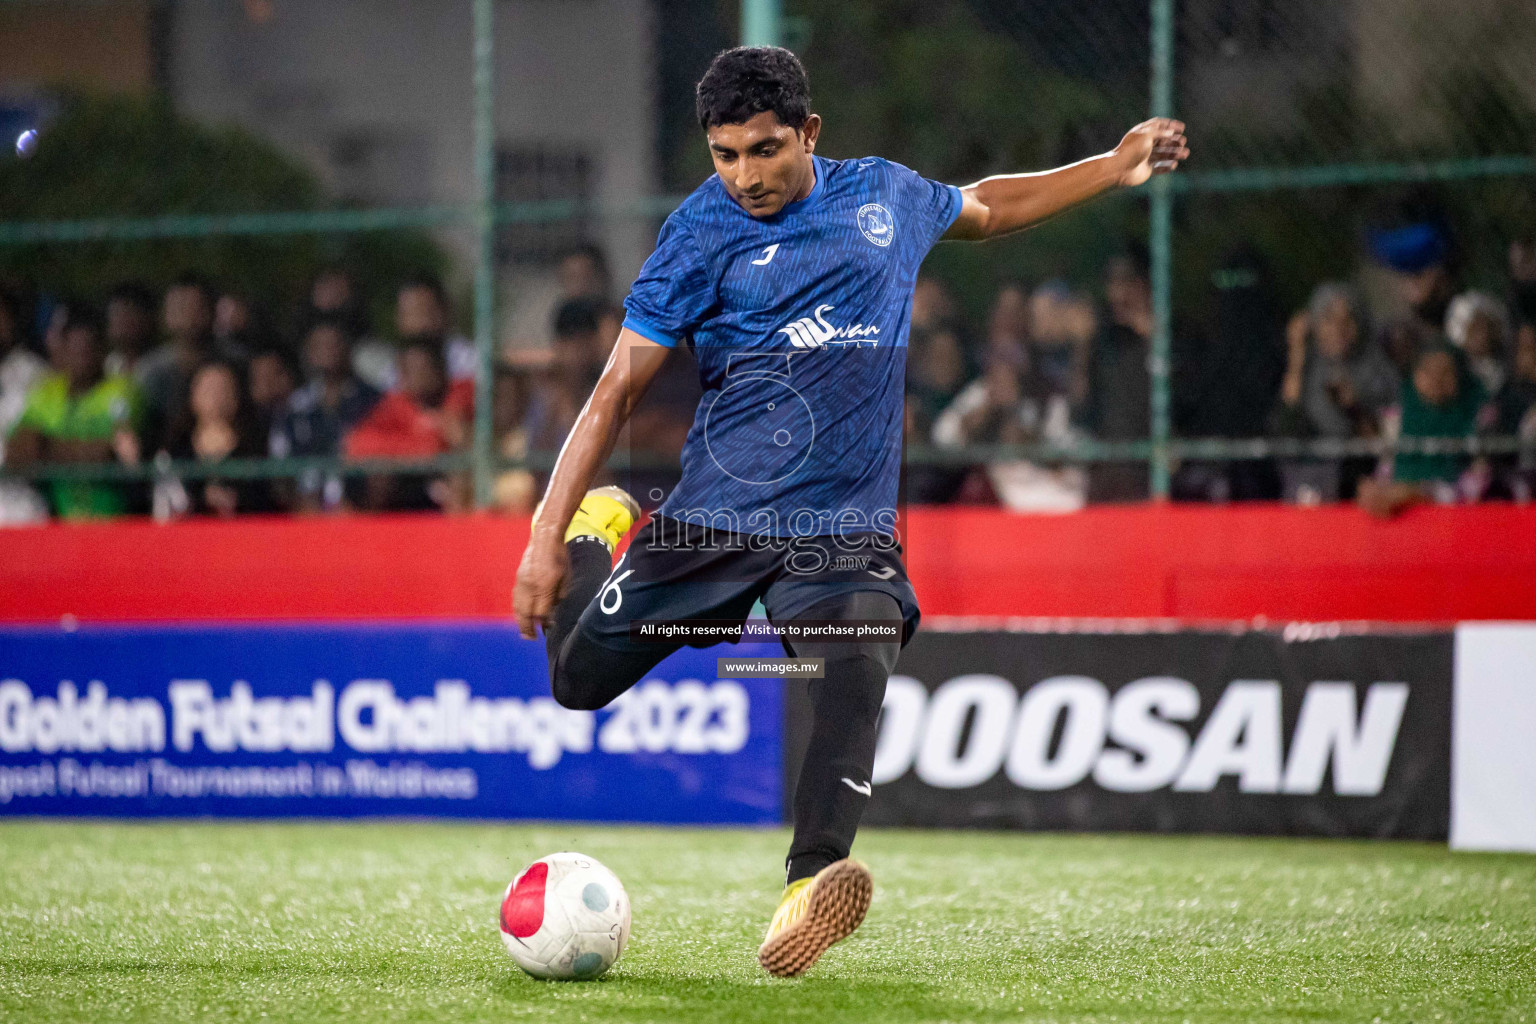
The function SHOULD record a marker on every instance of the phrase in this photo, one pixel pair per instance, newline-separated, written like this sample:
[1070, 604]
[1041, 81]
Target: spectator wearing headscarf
[1478, 324]
[1337, 384]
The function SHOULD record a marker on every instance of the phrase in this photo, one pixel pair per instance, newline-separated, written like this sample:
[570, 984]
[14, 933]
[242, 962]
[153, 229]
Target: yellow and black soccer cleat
[606, 513]
[813, 914]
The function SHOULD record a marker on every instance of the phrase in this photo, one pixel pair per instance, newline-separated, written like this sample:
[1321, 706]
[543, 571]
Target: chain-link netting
[1307, 82]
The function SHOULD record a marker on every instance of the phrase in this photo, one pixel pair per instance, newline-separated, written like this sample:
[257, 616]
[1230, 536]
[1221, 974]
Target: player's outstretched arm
[1011, 202]
[541, 577]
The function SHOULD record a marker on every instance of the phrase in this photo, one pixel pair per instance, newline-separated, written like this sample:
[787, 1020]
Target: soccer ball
[565, 916]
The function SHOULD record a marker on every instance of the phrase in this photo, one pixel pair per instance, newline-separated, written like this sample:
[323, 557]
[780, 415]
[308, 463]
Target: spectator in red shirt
[425, 416]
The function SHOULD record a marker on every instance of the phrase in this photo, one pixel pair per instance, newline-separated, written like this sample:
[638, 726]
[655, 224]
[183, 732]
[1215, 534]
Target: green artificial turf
[397, 921]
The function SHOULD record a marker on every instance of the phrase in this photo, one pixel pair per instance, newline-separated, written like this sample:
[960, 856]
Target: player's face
[765, 164]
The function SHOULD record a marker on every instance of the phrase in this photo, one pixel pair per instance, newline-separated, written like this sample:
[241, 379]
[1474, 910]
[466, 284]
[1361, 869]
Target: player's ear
[810, 132]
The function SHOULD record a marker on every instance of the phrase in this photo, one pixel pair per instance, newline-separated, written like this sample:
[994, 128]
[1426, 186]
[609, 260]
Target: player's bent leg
[593, 534]
[591, 563]
[671, 571]
[828, 894]
[584, 675]
[834, 782]
[587, 675]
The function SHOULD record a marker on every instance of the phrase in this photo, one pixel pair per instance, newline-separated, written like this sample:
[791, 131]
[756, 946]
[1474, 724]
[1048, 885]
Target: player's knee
[586, 676]
[571, 695]
[565, 687]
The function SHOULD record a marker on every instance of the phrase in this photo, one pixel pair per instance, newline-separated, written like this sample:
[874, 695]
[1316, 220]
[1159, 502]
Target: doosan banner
[1301, 731]
[1247, 731]
[440, 720]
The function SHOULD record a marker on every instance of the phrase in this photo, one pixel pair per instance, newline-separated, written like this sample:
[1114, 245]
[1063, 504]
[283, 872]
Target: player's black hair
[135, 293]
[427, 282]
[748, 80]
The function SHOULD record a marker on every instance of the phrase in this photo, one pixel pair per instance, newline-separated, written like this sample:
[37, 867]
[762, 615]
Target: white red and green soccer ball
[566, 917]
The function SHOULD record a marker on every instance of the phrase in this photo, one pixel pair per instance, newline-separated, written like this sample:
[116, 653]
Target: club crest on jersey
[877, 224]
[814, 332]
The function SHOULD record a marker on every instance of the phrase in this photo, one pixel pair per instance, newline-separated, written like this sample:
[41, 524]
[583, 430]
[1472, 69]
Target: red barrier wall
[1188, 562]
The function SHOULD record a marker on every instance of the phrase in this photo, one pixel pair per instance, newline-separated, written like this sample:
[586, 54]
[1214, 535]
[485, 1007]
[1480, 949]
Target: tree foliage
[126, 157]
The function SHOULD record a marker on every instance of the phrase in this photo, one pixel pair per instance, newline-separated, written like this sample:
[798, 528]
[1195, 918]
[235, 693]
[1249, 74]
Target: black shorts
[676, 570]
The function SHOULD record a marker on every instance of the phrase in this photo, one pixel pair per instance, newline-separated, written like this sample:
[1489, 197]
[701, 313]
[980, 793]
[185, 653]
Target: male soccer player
[790, 276]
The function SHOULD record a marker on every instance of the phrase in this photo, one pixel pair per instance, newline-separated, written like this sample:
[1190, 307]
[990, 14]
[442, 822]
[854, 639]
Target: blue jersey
[799, 323]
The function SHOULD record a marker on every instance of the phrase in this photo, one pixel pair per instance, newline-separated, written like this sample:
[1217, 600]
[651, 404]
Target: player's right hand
[1155, 146]
[542, 580]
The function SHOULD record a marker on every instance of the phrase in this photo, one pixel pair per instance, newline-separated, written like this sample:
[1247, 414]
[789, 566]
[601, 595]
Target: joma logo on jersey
[814, 332]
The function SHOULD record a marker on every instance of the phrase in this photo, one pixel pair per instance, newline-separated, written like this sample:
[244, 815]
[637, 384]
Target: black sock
[834, 783]
[591, 562]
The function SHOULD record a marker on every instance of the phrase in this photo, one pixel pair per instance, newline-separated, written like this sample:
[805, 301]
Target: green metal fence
[1227, 164]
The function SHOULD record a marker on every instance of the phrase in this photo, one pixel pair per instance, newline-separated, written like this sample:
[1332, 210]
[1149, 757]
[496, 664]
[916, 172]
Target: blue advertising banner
[372, 719]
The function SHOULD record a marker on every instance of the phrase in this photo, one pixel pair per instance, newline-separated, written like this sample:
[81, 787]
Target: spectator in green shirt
[1441, 399]
[79, 414]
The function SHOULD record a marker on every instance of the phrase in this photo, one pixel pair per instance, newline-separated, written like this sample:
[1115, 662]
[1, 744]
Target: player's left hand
[1152, 147]
[543, 578]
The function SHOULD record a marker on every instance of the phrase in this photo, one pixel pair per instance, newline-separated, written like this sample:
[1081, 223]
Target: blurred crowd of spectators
[1050, 364]
[194, 374]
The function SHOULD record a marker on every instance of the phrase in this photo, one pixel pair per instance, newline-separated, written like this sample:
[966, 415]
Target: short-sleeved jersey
[799, 323]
